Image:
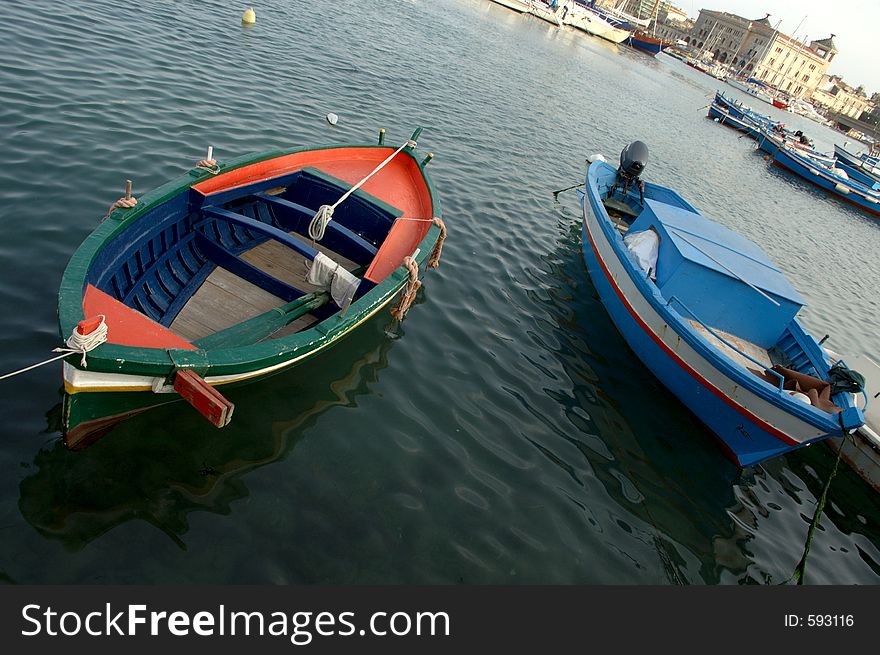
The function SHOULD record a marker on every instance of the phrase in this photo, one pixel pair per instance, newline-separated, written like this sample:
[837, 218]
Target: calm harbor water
[504, 433]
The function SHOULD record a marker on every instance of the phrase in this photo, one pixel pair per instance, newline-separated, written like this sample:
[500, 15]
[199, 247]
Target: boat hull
[867, 167]
[647, 44]
[519, 6]
[749, 427]
[862, 453]
[727, 118]
[822, 178]
[591, 23]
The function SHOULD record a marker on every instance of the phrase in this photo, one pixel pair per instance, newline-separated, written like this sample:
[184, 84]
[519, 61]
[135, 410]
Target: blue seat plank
[364, 248]
[245, 270]
[256, 226]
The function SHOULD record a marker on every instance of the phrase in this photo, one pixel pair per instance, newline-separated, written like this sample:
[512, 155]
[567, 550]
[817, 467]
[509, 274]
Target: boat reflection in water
[159, 471]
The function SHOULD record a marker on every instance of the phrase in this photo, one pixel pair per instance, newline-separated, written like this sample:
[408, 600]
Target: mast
[706, 42]
[767, 47]
[797, 54]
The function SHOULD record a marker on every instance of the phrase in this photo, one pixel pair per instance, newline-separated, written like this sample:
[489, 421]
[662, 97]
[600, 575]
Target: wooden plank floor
[224, 299]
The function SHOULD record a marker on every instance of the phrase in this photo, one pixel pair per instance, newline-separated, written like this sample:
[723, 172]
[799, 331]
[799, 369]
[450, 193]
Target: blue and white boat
[832, 180]
[859, 174]
[861, 167]
[770, 140]
[736, 120]
[862, 160]
[709, 315]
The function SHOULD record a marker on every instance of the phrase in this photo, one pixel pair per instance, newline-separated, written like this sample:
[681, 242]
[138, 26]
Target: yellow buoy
[249, 17]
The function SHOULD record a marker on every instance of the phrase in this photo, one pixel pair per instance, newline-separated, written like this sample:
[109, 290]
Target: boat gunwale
[134, 360]
[736, 373]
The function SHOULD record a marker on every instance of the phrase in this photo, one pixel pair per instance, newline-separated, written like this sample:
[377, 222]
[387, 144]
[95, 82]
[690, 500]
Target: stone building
[755, 48]
[838, 97]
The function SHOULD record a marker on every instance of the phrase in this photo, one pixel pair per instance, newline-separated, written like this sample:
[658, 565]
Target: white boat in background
[862, 449]
[805, 109]
[582, 18]
[519, 6]
[546, 11]
[751, 89]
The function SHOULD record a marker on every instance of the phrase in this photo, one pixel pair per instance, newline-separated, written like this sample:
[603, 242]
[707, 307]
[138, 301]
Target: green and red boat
[237, 271]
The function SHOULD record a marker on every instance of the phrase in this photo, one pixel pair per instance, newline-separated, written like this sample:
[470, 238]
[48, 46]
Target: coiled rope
[76, 343]
[125, 202]
[325, 212]
[209, 165]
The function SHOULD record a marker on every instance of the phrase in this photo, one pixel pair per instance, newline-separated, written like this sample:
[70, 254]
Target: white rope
[76, 343]
[83, 343]
[325, 212]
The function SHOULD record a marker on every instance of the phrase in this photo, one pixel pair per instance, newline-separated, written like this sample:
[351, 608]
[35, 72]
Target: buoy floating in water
[332, 118]
[249, 17]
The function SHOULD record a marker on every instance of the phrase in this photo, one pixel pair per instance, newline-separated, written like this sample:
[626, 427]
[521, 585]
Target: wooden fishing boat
[237, 271]
[741, 123]
[863, 167]
[709, 314]
[770, 140]
[830, 179]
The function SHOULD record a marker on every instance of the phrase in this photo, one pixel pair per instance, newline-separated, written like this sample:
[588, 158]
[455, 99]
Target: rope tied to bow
[125, 202]
[83, 339]
[409, 291]
[325, 212]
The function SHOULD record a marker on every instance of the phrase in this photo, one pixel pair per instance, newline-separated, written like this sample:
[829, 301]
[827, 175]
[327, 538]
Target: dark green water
[504, 433]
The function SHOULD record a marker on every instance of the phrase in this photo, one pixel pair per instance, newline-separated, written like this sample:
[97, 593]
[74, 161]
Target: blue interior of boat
[158, 262]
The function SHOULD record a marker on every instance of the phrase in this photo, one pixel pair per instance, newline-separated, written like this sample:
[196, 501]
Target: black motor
[633, 160]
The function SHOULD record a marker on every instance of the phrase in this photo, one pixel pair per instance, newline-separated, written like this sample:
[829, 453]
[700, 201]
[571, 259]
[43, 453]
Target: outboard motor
[633, 159]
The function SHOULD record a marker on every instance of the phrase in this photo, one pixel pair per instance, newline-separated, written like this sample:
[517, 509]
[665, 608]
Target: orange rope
[409, 291]
[434, 262]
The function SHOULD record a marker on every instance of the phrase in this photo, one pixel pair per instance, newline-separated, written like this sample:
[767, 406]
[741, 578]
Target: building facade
[838, 97]
[755, 48]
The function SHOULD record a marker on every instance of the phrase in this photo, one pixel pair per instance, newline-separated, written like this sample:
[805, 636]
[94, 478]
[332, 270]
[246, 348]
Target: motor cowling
[634, 158]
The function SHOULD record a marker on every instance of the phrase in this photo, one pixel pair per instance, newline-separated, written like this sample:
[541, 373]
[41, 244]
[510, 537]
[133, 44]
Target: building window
[806, 78]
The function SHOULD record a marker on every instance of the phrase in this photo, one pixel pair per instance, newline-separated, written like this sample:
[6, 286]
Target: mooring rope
[800, 570]
[209, 165]
[434, 260]
[325, 212]
[76, 343]
[409, 291]
[125, 202]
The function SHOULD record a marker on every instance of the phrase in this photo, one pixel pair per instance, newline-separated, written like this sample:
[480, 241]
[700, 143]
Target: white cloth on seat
[644, 246]
[328, 274]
